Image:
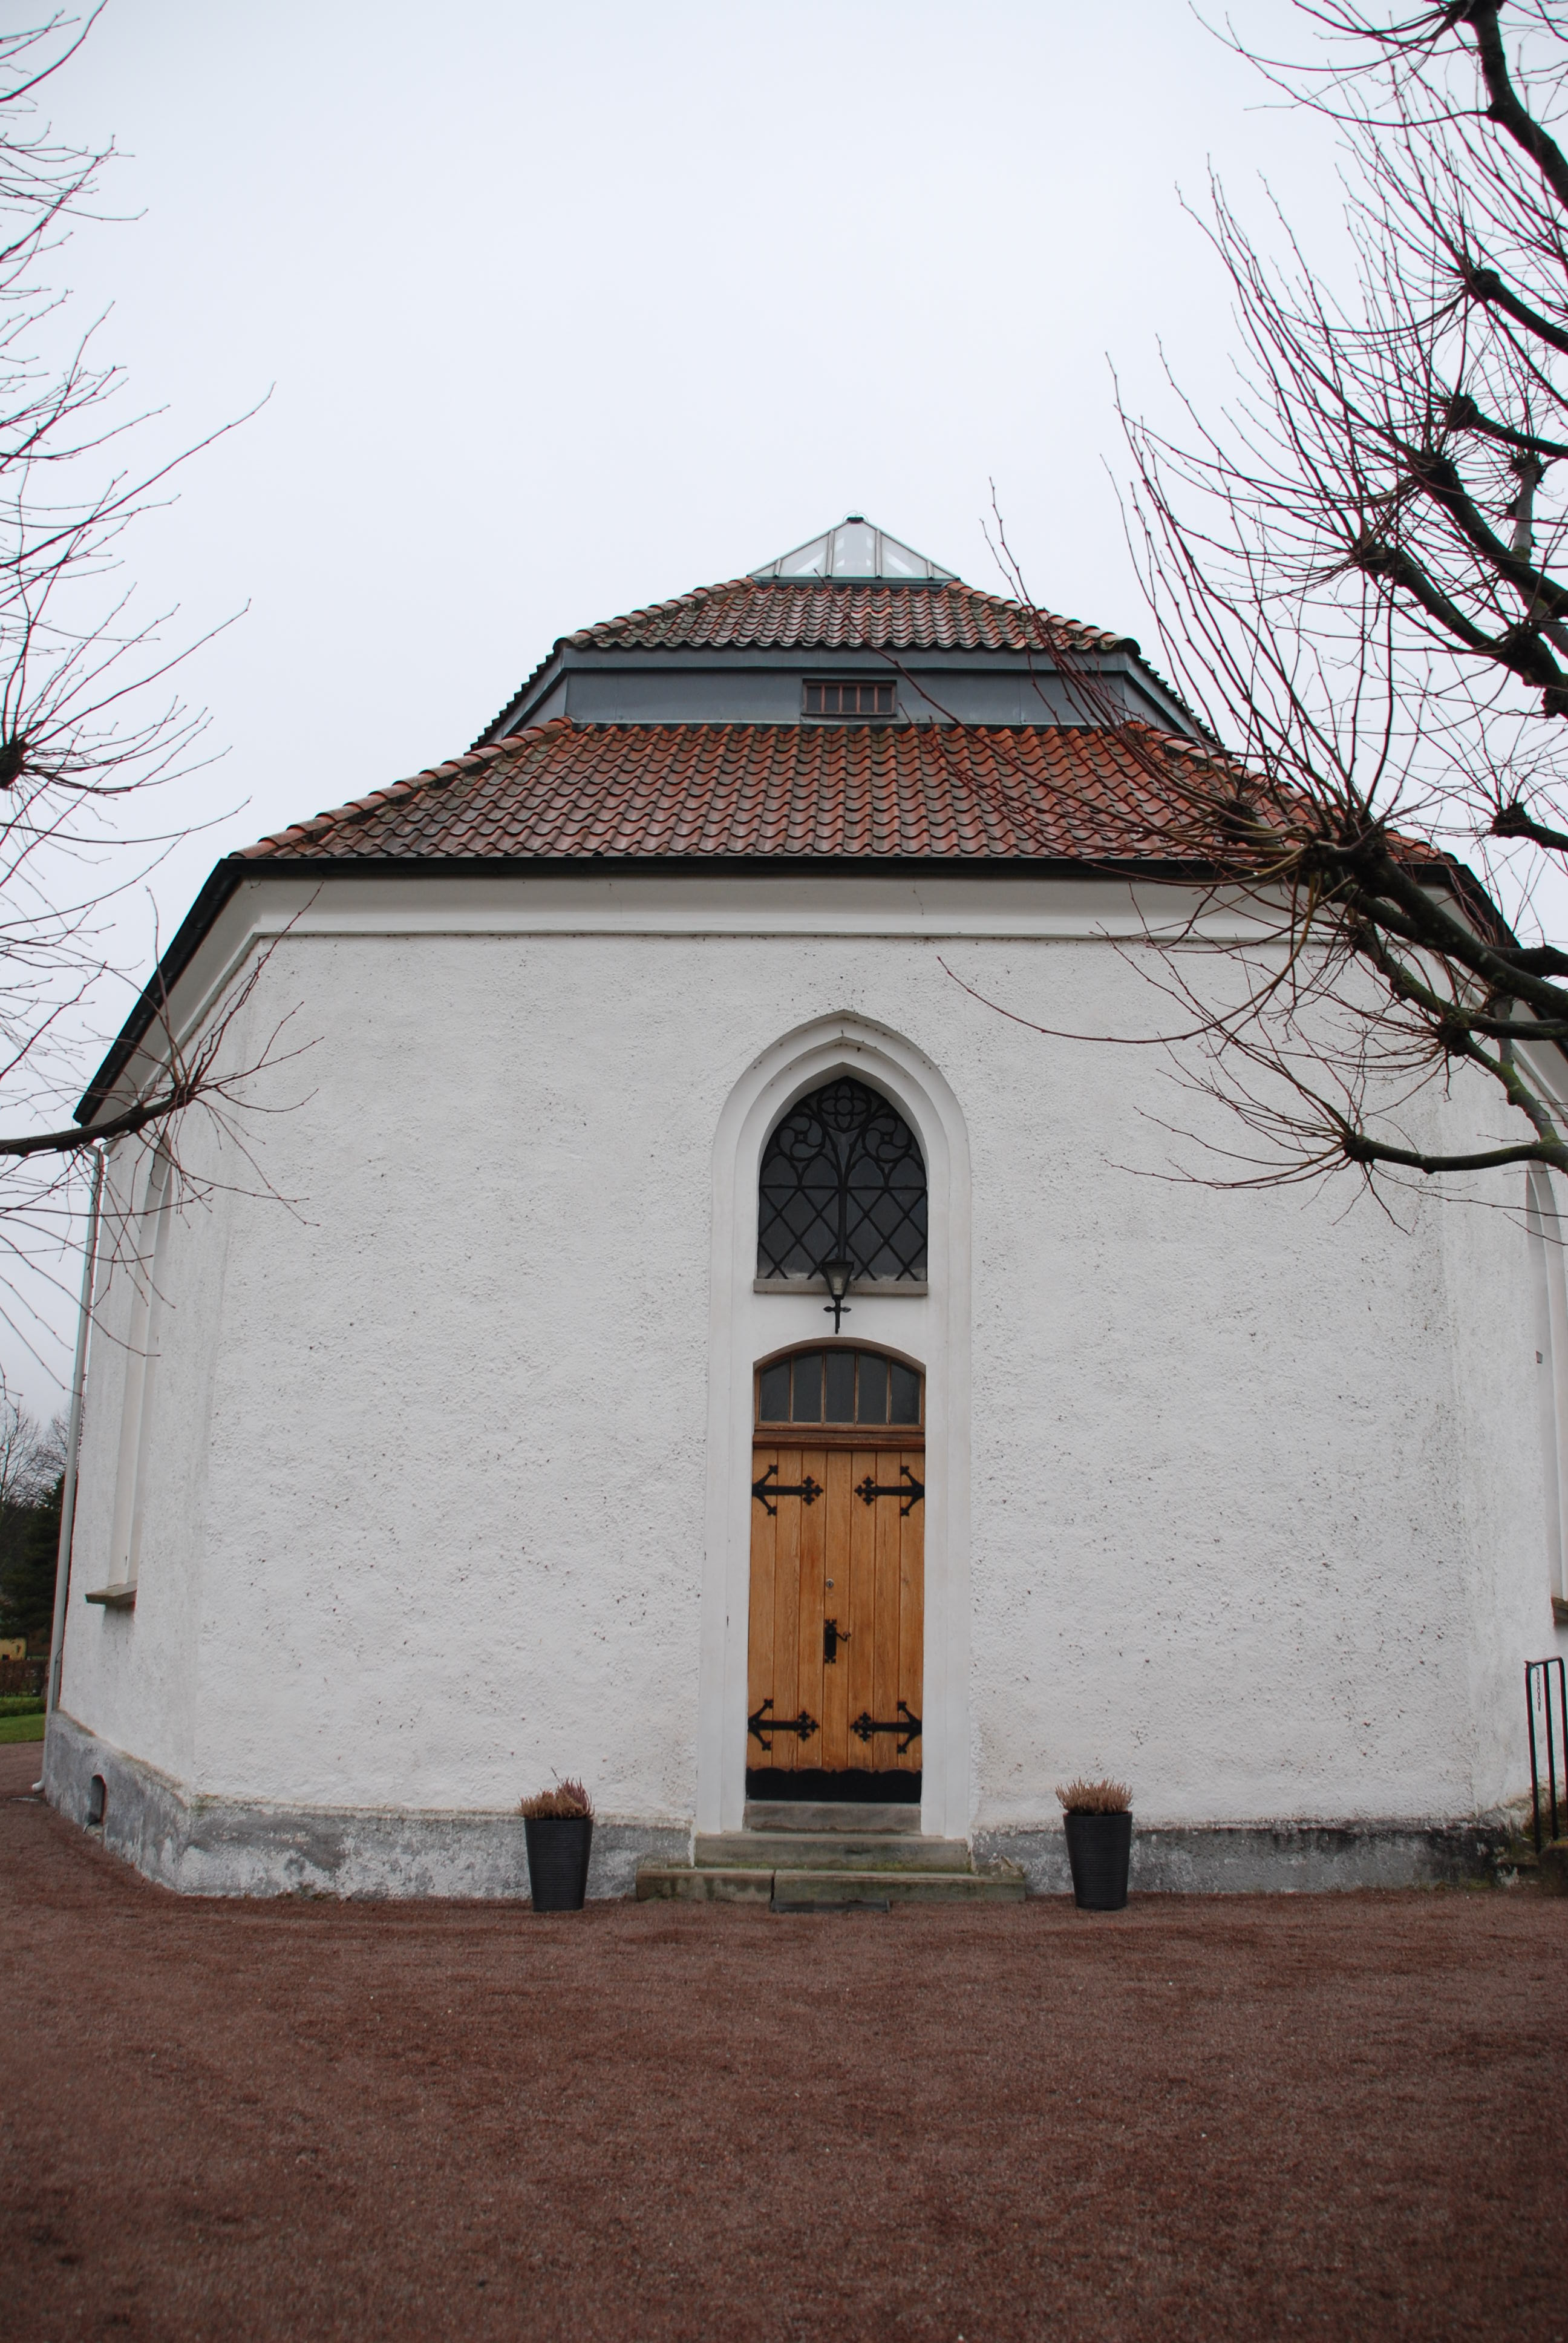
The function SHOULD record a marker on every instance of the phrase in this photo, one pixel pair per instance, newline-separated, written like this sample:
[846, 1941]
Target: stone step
[823, 1890]
[806, 1890]
[1548, 1870]
[683, 1883]
[796, 1814]
[830, 1851]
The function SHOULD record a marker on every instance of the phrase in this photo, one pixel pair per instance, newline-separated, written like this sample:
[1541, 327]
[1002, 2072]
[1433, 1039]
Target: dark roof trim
[188, 939]
[579, 638]
[1122, 658]
[703, 659]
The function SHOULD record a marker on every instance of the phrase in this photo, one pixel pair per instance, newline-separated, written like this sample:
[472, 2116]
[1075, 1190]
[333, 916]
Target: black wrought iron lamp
[836, 1274]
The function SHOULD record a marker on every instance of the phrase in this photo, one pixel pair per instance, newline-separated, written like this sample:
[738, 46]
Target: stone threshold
[826, 1890]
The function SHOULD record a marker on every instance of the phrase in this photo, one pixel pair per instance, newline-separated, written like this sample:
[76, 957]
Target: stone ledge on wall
[224, 1846]
[218, 1846]
[1274, 1859]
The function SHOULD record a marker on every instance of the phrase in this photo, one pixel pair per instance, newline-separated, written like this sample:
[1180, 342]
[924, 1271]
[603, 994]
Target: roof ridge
[868, 586]
[871, 588]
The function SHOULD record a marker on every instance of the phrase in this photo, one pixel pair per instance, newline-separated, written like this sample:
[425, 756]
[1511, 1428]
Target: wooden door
[836, 1653]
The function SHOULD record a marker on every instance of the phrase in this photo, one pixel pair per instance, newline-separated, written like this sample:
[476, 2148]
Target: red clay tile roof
[809, 615]
[647, 791]
[963, 794]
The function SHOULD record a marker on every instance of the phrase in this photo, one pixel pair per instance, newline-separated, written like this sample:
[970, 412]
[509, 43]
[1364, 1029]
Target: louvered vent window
[842, 1180]
[848, 700]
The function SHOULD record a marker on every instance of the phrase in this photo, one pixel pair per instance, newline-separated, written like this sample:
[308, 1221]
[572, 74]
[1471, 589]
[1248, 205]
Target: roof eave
[226, 875]
[188, 941]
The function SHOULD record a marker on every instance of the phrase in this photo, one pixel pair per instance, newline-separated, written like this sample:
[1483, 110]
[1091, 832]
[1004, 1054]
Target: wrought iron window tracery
[842, 1180]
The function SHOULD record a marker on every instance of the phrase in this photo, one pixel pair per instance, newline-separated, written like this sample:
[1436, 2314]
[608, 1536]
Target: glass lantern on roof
[856, 549]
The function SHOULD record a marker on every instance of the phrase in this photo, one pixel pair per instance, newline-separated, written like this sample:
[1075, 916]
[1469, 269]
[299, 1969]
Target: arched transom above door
[840, 1386]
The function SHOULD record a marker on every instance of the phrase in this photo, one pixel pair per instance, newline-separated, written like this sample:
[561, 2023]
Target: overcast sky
[566, 310]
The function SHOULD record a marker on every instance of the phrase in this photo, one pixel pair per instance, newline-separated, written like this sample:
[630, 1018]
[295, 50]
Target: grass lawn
[22, 1728]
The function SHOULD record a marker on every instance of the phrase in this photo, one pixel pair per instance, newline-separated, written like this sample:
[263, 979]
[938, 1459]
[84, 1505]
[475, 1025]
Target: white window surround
[745, 1325]
[141, 1379]
[1551, 1318]
[886, 1289]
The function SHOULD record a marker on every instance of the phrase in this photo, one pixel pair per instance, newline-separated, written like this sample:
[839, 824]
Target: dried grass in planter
[1095, 1798]
[568, 1802]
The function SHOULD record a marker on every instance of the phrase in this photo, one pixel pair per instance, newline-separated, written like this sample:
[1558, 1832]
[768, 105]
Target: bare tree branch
[91, 721]
[1360, 575]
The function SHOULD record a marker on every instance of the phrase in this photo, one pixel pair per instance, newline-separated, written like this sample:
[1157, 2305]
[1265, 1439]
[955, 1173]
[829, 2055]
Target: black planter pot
[559, 1848]
[1098, 1847]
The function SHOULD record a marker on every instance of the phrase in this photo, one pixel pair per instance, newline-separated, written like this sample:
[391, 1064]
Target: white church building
[676, 1331]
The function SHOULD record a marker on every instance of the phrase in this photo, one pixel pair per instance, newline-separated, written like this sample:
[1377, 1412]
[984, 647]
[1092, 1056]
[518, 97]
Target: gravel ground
[1325, 2116]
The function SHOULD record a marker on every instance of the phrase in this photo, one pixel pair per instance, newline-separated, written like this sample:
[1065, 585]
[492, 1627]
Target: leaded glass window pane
[842, 1180]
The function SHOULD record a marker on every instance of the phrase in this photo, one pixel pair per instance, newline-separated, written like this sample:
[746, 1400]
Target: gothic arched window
[842, 1180]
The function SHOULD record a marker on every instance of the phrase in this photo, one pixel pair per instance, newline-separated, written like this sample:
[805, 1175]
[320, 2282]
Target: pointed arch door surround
[931, 1323]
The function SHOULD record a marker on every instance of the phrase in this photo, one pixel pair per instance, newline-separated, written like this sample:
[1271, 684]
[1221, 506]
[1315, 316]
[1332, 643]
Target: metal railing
[1545, 1745]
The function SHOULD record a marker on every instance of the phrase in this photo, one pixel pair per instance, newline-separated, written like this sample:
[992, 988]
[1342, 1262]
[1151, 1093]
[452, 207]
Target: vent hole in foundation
[97, 1799]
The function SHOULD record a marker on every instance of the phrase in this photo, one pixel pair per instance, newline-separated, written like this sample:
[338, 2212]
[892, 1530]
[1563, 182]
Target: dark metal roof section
[925, 630]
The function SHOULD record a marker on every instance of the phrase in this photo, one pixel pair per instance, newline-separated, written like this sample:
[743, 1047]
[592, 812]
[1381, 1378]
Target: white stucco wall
[1254, 1504]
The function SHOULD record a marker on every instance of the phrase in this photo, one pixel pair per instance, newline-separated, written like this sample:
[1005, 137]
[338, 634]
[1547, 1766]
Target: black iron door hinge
[869, 1490]
[808, 1490]
[803, 1727]
[907, 1726]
